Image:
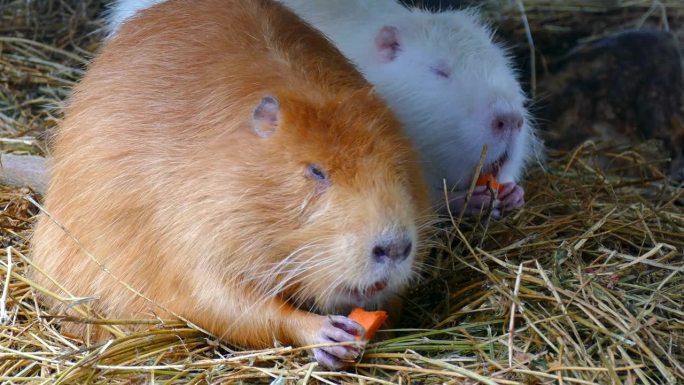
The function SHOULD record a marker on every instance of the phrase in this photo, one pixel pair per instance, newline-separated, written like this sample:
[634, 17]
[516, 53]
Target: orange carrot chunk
[488, 179]
[370, 320]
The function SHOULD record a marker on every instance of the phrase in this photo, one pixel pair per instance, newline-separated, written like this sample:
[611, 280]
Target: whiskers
[322, 275]
[295, 275]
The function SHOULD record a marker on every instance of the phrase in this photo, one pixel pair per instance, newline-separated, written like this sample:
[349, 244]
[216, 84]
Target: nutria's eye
[317, 173]
[442, 71]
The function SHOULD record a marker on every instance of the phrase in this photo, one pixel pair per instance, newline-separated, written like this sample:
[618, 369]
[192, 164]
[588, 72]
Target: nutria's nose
[508, 121]
[396, 249]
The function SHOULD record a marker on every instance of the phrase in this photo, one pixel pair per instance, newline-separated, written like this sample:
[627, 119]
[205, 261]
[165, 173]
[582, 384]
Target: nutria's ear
[266, 116]
[387, 43]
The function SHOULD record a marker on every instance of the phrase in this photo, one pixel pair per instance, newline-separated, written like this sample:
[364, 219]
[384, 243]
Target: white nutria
[449, 83]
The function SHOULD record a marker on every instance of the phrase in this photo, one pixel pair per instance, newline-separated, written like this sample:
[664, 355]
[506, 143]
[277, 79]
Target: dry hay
[591, 271]
[582, 286]
[44, 48]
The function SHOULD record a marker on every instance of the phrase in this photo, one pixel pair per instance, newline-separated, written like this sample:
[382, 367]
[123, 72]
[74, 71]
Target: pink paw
[478, 204]
[511, 196]
[338, 329]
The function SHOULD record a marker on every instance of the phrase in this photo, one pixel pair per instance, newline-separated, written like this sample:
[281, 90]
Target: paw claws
[509, 197]
[338, 329]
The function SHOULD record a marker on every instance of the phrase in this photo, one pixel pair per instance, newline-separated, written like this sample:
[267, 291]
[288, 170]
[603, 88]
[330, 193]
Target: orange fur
[158, 175]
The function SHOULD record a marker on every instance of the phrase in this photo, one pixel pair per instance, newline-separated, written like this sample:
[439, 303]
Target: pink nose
[508, 121]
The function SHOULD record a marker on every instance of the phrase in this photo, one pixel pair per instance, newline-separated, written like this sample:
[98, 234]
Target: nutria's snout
[507, 122]
[393, 249]
[392, 260]
[387, 265]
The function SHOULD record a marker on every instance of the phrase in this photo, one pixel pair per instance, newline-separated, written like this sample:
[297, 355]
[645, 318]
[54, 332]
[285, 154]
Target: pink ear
[265, 116]
[387, 43]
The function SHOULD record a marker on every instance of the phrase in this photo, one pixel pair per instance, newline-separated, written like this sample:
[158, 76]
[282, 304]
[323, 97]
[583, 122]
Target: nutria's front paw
[338, 329]
[511, 196]
[478, 204]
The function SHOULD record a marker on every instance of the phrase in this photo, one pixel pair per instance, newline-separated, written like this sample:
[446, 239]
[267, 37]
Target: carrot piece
[488, 179]
[370, 320]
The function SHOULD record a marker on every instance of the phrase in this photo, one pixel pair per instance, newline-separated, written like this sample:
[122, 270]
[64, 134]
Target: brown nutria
[226, 161]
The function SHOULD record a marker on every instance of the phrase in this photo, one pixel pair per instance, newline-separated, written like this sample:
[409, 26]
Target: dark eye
[317, 173]
[441, 71]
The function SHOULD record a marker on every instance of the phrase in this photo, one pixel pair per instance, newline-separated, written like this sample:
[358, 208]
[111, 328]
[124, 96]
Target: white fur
[449, 120]
[122, 10]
